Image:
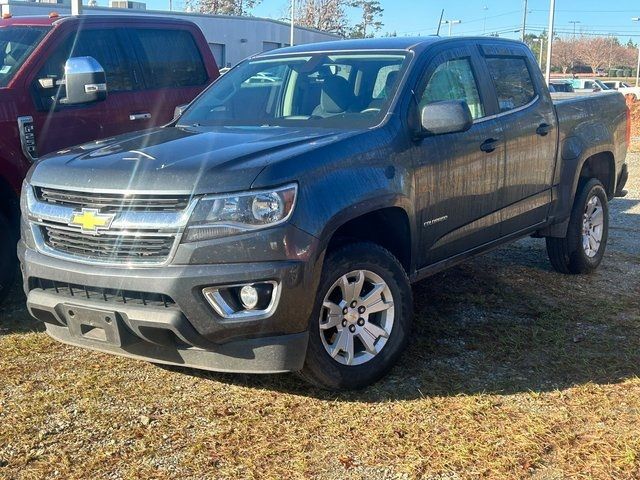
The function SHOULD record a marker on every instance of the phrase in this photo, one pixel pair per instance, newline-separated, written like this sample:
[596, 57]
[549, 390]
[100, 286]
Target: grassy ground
[514, 372]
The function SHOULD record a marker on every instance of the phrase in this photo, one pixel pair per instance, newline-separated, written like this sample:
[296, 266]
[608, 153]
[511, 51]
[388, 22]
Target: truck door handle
[139, 116]
[489, 145]
[543, 129]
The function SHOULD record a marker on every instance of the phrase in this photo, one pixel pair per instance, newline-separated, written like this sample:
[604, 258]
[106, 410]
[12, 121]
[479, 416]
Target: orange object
[54, 15]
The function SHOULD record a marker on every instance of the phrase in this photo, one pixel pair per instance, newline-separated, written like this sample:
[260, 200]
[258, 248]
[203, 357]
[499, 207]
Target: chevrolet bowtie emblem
[91, 220]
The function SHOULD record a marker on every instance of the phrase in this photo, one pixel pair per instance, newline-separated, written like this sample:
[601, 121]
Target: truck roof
[48, 20]
[386, 43]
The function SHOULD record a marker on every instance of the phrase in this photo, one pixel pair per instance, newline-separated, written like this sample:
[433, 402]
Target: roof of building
[50, 20]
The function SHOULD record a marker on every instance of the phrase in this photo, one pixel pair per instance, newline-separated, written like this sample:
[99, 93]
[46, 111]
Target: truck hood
[178, 160]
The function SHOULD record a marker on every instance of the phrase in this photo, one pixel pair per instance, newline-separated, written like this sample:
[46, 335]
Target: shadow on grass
[506, 323]
[14, 317]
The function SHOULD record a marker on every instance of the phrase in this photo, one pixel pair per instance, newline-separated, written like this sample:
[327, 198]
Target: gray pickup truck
[277, 224]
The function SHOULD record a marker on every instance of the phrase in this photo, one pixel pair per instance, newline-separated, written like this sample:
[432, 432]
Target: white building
[231, 39]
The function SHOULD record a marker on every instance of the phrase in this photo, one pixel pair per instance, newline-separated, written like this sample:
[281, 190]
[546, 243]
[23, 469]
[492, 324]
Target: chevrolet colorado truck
[277, 226]
[142, 68]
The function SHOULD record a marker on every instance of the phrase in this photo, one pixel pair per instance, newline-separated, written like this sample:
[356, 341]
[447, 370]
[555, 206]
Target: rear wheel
[583, 247]
[8, 257]
[362, 318]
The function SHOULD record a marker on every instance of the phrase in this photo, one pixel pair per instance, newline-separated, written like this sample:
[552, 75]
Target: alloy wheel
[356, 318]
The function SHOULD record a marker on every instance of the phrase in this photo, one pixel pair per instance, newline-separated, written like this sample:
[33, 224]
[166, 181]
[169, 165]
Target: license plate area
[95, 325]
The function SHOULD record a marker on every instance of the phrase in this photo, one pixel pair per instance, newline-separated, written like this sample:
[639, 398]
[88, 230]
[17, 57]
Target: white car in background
[624, 88]
[588, 85]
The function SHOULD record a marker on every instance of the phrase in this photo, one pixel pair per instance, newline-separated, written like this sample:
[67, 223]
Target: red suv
[66, 81]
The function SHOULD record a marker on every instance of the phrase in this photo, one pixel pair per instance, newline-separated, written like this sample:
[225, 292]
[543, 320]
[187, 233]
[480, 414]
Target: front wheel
[361, 319]
[582, 249]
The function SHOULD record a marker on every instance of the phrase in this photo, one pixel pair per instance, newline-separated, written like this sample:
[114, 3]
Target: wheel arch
[387, 225]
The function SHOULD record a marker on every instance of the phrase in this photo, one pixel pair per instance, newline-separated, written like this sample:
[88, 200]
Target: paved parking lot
[514, 371]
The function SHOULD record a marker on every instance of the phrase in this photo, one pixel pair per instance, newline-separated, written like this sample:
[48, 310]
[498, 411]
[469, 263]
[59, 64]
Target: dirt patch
[634, 106]
[514, 371]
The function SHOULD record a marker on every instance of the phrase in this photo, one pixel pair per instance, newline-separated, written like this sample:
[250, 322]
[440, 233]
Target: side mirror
[179, 110]
[85, 81]
[448, 116]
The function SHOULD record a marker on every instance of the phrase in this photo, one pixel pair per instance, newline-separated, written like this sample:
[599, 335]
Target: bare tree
[594, 52]
[325, 15]
[565, 54]
[370, 23]
[222, 7]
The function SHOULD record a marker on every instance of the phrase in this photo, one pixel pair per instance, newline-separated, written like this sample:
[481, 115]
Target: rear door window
[512, 81]
[169, 58]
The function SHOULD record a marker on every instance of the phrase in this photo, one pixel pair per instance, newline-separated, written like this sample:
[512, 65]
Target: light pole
[524, 20]
[552, 12]
[450, 23]
[637, 19]
[484, 24]
[575, 22]
[293, 14]
[540, 40]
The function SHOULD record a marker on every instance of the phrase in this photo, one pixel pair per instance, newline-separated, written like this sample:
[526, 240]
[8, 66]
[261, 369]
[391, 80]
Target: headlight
[24, 203]
[224, 215]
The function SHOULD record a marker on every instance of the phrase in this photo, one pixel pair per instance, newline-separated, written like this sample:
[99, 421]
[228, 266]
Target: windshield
[16, 44]
[343, 90]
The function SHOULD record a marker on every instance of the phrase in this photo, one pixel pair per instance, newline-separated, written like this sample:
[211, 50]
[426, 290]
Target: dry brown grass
[515, 372]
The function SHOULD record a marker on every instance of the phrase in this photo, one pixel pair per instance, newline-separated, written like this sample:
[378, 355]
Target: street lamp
[450, 23]
[637, 19]
[540, 40]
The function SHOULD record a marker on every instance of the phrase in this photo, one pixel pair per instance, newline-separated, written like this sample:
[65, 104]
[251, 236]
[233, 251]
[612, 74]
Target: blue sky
[420, 17]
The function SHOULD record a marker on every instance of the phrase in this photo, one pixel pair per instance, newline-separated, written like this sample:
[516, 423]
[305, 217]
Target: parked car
[588, 85]
[561, 86]
[285, 236]
[151, 65]
[624, 88]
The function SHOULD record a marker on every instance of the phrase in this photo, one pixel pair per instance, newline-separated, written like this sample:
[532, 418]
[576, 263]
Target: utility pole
[293, 24]
[524, 20]
[637, 19]
[575, 22]
[451, 23]
[552, 12]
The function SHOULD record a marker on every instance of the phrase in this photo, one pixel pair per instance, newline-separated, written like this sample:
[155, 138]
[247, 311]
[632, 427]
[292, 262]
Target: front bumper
[187, 331]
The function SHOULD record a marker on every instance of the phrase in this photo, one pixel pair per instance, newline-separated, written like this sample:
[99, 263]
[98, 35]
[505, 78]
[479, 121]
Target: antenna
[440, 22]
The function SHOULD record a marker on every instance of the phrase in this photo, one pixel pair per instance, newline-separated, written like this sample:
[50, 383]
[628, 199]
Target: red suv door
[60, 126]
[173, 71]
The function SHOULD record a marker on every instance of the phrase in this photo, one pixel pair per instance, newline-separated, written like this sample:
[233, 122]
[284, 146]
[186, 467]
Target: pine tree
[370, 23]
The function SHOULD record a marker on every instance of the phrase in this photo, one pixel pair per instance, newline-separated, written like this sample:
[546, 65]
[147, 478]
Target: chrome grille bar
[109, 202]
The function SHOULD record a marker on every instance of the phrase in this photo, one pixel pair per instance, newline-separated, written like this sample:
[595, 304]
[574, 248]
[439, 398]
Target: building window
[219, 53]
[266, 46]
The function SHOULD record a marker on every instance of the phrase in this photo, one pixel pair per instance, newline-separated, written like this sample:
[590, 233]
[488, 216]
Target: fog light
[249, 297]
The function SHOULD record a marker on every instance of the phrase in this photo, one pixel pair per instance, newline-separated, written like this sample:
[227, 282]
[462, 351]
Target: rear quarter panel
[590, 124]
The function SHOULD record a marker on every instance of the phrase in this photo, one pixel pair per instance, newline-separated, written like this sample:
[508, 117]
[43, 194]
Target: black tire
[326, 372]
[8, 257]
[567, 255]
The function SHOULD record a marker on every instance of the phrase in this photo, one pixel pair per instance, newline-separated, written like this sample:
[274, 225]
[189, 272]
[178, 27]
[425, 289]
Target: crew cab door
[173, 72]
[530, 132]
[58, 126]
[457, 174]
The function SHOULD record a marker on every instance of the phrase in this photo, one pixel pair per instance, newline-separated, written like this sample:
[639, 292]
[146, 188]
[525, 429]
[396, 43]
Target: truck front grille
[108, 295]
[112, 202]
[123, 248]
